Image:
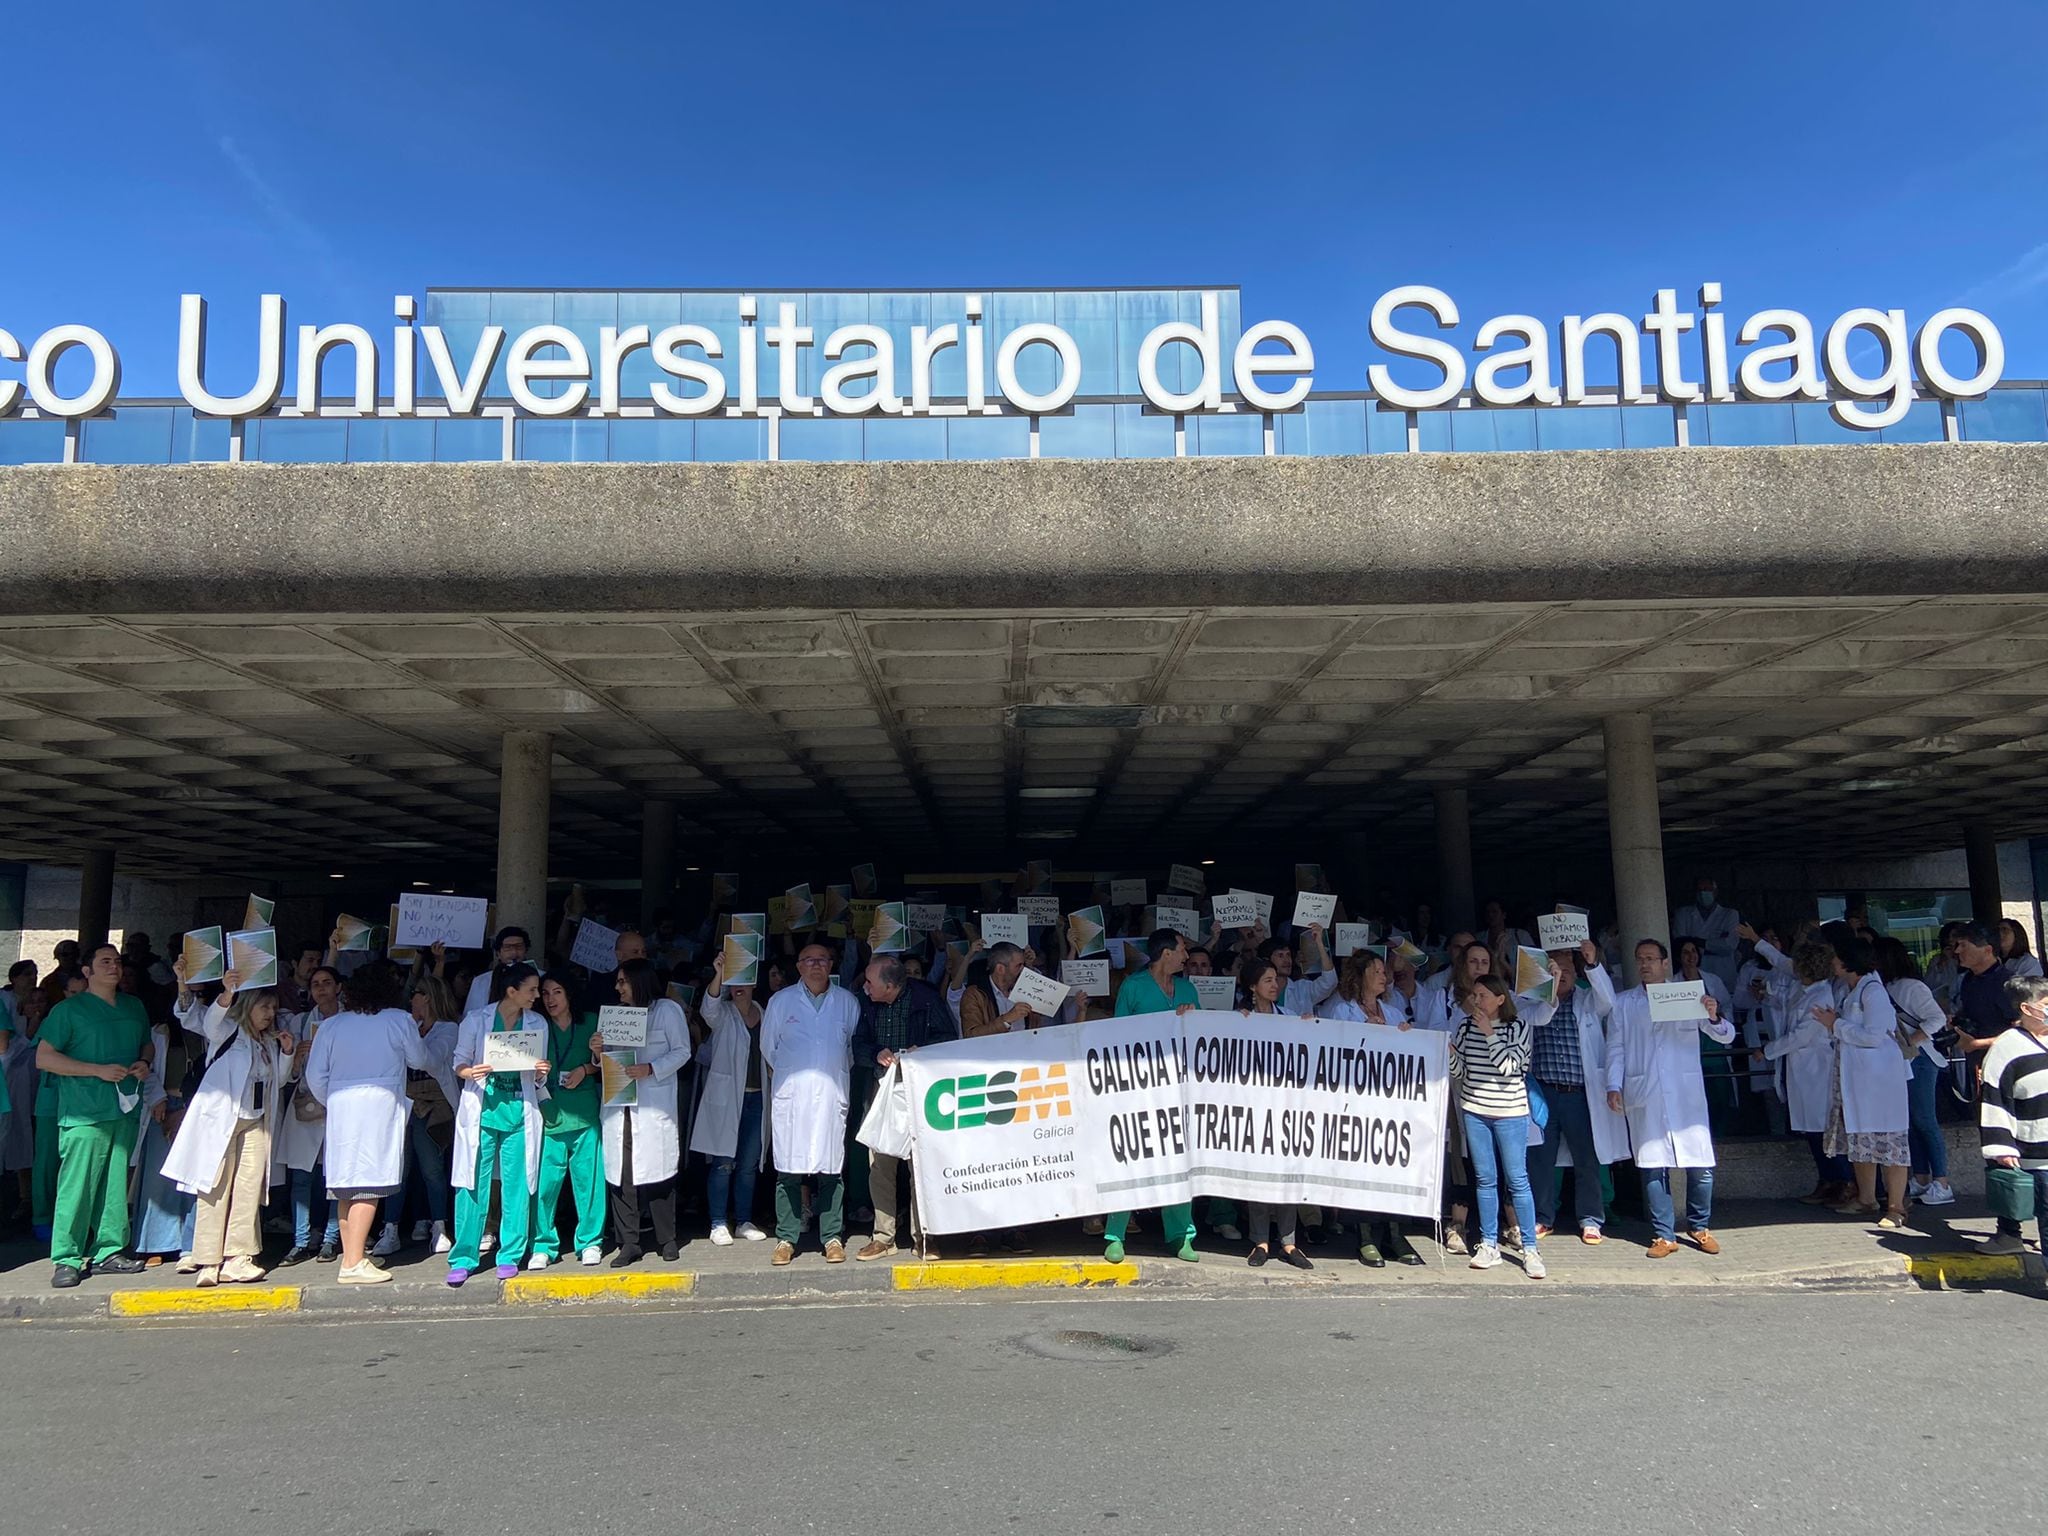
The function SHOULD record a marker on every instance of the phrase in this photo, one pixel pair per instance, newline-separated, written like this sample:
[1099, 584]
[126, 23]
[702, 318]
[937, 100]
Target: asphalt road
[1766, 1412]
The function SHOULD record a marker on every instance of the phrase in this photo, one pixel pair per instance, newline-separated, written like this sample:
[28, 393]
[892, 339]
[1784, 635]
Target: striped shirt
[2013, 1116]
[1489, 1069]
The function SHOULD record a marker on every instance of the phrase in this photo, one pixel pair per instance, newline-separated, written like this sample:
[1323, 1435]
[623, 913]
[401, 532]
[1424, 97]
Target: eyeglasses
[814, 960]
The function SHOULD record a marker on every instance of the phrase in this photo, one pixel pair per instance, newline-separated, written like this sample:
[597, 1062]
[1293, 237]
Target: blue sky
[1812, 156]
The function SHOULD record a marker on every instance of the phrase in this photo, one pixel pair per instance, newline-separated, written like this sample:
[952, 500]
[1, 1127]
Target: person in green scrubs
[43, 1163]
[96, 1044]
[501, 1145]
[572, 1148]
[1159, 988]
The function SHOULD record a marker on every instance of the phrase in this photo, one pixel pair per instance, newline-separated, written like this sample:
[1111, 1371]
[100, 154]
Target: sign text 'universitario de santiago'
[1871, 363]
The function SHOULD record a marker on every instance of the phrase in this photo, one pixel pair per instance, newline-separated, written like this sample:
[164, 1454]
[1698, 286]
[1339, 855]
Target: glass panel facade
[31, 442]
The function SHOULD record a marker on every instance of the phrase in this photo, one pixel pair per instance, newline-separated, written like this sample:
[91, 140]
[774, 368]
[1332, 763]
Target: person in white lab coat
[1761, 995]
[1654, 1078]
[643, 1141]
[728, 1126]
[806, 1046]
[1568, 1059]
[1365, 995]
[1714, 925]
[1805, 1054]
[1868, 1119]
[222, 1150]
[356, 1070]
[497, 1128]
[508, 948]
[1920, 1020]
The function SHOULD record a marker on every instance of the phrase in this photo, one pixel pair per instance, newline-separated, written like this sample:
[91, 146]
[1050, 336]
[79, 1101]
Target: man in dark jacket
[897, 1013]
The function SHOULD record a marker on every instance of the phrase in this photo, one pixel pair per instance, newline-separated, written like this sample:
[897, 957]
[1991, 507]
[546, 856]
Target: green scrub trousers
[42, 1179]
[1176, 1223]
[576, 1154]
[500, 1153]
[90, 1220]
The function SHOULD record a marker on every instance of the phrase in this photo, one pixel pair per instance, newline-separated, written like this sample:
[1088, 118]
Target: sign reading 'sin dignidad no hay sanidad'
[1153, 1109]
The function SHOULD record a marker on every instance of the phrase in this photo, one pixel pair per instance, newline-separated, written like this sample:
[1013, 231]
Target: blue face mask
[1706, 901]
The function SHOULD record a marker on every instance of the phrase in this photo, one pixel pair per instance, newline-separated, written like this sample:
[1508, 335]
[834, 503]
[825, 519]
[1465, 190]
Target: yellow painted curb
[1965, 1268]
[534, 1289]
[984, 1274]
[195, 1302]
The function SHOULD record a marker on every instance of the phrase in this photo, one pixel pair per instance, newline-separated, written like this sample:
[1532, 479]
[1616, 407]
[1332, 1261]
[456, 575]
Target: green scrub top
[1141, 994]
[570, 1110]
[105, 1034]
[504, 1099]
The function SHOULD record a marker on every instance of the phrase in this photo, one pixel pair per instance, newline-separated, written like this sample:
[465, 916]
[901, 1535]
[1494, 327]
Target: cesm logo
[998, 1098]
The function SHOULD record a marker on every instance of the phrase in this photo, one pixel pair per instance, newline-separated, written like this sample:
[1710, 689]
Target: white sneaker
[752, 1233]
[591, 1256]
[1532, 1264]
[490, 1241]
[1487, 1256]
[387, 1243]
[187, 1265]
[1915, 1189]
[720, 1238]
[538, 1261]
[364, 1273]
[1938, 1193]
[442, 1242]
[422, 1231]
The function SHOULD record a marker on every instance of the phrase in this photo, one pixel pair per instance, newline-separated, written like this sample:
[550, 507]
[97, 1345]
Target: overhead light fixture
[1207, 862]
[1064, 832]
[401, 842]
[419, 882]
[691, 869]
[337, 877]
[1057, 792]
[1094, 716]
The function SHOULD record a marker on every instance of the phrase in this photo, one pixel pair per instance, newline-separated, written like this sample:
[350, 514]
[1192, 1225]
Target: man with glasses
[806, 1038]
[1984, 1013]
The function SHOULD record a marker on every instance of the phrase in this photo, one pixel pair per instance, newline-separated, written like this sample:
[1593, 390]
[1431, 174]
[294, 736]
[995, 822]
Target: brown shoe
[876, 1250]
[1704, 1240]
[1824, 1193]
[1663, 1248]
[835, 1252]
[784, 1252]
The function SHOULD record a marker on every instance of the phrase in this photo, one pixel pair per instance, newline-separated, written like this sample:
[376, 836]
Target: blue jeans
[733, 1177]
[430, 1165]
[1570, 1123]
[309, 1192]
[164, 1214]
[1831, 1170]
[1930, 1147]
[1501, 1148]
[1699, 1200]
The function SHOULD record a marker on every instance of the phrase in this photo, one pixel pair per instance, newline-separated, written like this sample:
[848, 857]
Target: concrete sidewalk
[1764, 1243]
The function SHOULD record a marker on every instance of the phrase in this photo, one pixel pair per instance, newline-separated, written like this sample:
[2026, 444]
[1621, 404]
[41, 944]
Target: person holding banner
[497, 1130]
[222, 1149]
[897, 1015]
[1301, 990]
[728, 1124]
[1654, 1077]
[643, 1140]
[571, 1150]
[984, 1005]
[806, 1034]
[1159, 988]
[1365, 995]
[1259, 989]
[1568, 1050]
[356, 1072]
[1489, 1063]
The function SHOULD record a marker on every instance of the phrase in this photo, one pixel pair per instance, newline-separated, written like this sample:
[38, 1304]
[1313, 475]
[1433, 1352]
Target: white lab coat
[1590, 1012]
[357, 1069]
[194, 1161]
[1655, 1067]
[1918, 1009]
[479, 992]
[469, 1104]
[1305, 993]
[657, 1130]
[1806, 1053]
[1874, 1070]
[806, 1049]
[297, 1143]
[1715, 930]
[1393, 1006]
[723, 1082]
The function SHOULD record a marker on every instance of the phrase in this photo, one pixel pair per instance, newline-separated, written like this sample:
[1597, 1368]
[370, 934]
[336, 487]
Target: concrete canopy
[247, 668]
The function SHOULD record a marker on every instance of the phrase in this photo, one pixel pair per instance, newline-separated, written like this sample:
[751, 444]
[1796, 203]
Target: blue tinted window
[770, 312]
[731, 440]
[656, 440]
[467, 439]
[1481, 430]
[949, 367]
[821, 438]
[1386, 431]
[1322, 427]
[1213, 436]
[1922, 425]
[988, 437]
[718, 313]
[2006, 416]
[563, 440]
[1649, 426]
[1090, 318]
[828, 312]
[905, 437]
[1433, 430]
[1579, 426]
[31, 442]
[280, 440]
[656, 311]
[130, 434]
[371, 441]
[1038, 367]
[1081, 432]
[516, 312]
[1749, 424]
[1143, 434]
[1138, 314]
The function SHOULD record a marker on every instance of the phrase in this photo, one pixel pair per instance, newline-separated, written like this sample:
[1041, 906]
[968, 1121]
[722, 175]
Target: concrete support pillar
[1634, 831]
[525, 777]
[657, 859]
[1980, 848]
[1455, 906]
[95, 899]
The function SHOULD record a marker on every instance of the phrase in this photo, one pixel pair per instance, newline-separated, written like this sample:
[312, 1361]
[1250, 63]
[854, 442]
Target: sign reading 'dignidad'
[1515, 360]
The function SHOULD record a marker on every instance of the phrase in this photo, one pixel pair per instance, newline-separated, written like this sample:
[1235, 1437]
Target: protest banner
[750, 922]
[925, 916]
[1262, 905]
[740, 959]
[1180, 900]
[889, 933]
[252, 955]
[801, 907]
[864, 883]
[1561, 930]
[1313, 910]
[725, 889]
[515, 1050]
[1154, 1109]
[1039, 911]
[615, 1085]
[1127, 893]
[1086, 933]
[1091, 976]
[623, 1028]
[1215, 991]
[596, 947]
[258, 912]
[1186, 877]
[425, 920]
[1240, 909]
[1182, 920]
[352, 933]
[1533, 981]
[1350, 938]
[1005, 928]
[205, 956]
[1677, 1002]
[1039, 992]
